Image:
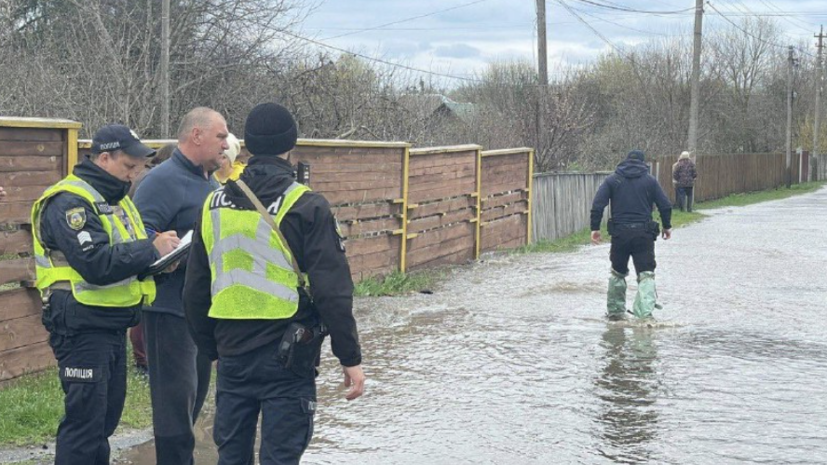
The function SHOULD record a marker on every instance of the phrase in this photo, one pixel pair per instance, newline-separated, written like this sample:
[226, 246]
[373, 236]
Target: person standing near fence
[170, 197]
[632, 191]
[89, 246]
[264, 286]
[231, 168]
[683, 176]
[675, 186]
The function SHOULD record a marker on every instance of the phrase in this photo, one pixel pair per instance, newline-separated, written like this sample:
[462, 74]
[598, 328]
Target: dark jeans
[179, 378]
[93, 377]
[256, 383]
[637, 243]
[685, 198]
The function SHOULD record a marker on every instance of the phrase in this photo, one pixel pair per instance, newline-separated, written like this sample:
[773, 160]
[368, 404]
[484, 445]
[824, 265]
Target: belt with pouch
[642, 226]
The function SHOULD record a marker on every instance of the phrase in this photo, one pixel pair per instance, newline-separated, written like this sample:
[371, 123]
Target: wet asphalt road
[510, 361]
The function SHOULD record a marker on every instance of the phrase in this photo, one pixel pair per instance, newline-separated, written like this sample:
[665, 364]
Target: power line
[478, 27]
[774, 44]
[597, 18]
[779, 14]
[772, 6]
[380, 26]
[616, 7]
[377, 60]
[595, 31]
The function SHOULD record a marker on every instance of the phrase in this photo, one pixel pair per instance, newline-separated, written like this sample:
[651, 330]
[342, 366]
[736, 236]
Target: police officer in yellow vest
[265, 283]
[89, 247]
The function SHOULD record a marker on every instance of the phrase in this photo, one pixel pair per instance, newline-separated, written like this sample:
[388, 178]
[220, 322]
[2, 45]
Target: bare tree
[96, 60]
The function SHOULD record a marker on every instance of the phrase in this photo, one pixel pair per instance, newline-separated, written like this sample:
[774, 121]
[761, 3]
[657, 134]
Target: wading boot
[646, 298]
[616, 297]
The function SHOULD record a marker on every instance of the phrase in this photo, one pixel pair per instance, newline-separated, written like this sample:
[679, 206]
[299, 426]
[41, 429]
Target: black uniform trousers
[638, 243]
[93, 377]
[256, 383]
[179, 378]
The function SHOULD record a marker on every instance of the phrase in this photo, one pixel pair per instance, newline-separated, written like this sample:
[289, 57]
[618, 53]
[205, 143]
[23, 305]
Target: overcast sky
[462, 41]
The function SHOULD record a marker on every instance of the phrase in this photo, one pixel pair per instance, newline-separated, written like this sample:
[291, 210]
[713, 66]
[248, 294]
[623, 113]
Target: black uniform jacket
[310, 230]
[632, 191]
[87, 249]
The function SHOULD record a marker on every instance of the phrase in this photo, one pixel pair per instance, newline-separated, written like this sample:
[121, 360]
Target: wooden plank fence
[562, 203]
[34, 154]
[364, 183]
[505, 198]
[722, 175]
[400, 209]
[442, 225]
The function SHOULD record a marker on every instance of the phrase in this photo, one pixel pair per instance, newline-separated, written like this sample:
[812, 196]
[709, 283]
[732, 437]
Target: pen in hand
[166, 242]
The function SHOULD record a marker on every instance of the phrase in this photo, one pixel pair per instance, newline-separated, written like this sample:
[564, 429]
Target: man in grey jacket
[170, 198]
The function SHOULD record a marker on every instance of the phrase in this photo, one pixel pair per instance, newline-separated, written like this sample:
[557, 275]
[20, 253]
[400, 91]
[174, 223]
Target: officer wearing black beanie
[267, 346]
[270, 130]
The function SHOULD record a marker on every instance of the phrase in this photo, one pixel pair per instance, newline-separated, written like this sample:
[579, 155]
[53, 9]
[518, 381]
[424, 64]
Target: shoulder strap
[269, 219]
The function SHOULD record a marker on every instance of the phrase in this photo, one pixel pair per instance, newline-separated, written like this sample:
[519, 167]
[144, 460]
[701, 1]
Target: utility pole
[790, 63]
[542, 73]
[696, 79]
[542, 55]
[164, 71]
[816, 123]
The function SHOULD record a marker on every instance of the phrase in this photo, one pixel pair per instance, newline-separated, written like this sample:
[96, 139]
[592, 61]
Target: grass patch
[397, 283]
[564, 244]
[680, 218]
[749, 198]
[32, 405]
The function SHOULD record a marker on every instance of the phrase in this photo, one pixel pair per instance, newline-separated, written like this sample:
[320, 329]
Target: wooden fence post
[530, 194]
[406, 164]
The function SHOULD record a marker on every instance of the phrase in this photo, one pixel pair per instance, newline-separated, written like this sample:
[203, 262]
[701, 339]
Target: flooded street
[510, 361]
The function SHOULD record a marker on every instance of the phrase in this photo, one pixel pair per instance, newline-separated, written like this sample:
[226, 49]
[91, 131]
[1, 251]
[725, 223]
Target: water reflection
[627, 390]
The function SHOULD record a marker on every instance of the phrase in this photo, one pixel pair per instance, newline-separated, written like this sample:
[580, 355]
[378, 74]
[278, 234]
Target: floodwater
[510, 362]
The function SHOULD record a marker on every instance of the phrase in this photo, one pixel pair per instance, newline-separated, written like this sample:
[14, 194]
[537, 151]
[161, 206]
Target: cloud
[457, 51]
[400, 48]
[465, 40]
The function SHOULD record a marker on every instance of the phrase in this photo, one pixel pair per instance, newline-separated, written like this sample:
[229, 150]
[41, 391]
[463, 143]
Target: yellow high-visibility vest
[52, 267]
[251, 269]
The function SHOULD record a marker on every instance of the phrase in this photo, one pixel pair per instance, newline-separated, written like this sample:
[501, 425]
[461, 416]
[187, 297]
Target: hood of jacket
[632, 168]
[268, 178]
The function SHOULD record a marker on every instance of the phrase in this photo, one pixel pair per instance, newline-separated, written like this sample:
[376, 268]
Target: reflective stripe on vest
[52, 268]
[251, 269]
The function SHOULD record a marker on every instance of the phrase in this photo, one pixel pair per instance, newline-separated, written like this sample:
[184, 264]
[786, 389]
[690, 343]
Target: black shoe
[615, 316]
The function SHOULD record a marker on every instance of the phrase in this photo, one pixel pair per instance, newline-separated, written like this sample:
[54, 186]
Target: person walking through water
[631, 190]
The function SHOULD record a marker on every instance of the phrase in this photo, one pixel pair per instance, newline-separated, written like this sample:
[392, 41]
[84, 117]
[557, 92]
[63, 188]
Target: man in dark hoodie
[260, 296]
[89, 246]
[631, 191]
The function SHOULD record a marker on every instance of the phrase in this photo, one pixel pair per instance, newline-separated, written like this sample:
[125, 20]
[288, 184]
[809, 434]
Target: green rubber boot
[647, 297]
[616, 297]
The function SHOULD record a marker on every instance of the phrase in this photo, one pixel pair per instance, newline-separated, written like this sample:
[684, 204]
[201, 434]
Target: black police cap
[114, 137]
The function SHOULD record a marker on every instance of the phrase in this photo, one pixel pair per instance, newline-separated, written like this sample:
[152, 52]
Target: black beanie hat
[636, 155]
[270, 130]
